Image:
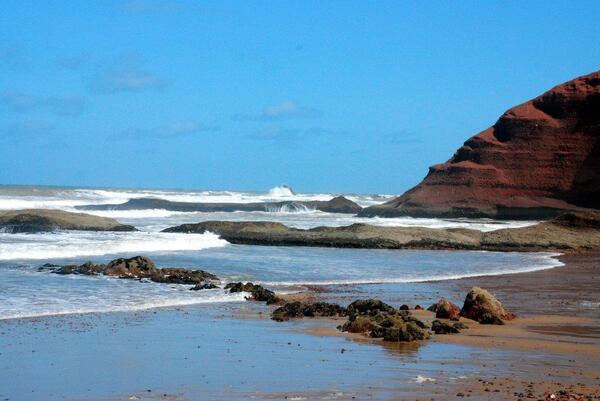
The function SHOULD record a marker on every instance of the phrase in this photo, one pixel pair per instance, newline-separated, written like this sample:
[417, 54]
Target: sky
[326, 96]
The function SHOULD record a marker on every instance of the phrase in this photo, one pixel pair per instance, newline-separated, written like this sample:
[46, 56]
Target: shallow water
[199, 354]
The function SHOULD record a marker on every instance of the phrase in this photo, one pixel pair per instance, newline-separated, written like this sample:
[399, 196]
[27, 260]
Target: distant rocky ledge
[339, 204]
[569, 232]
[41, 220]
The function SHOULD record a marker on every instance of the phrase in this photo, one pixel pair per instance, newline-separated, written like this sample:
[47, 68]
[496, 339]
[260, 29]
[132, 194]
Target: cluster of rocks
[370, 317]
[140, 267]
[376, 319]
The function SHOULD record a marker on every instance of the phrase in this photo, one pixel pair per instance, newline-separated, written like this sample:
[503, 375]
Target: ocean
[26, 292]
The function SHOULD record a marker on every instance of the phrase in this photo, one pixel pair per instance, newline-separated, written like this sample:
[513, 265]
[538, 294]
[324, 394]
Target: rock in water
[445, 309]
[484, 308]
[540, 158]
[139, 267]
[258, 292]
[43, 220]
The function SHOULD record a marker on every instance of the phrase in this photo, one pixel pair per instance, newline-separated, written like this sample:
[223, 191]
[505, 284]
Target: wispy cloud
[13, 59]
[72, 62]
[282, 111]
[401, 137]
[177, 130]
[279, 134]
[126, 74]
[151, 6]
[19, 130]
[71, 106]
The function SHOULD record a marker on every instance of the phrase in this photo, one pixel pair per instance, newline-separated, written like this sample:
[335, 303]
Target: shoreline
[545, 353]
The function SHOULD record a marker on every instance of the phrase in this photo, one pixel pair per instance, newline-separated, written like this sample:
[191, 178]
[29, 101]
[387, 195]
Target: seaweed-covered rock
[439, 327]
[484, 308]
[258, 292]
[394, 329]
[294, 310]
[86, 269]
[369, 307]
[379, 320]
[139, 267]
[445, 309]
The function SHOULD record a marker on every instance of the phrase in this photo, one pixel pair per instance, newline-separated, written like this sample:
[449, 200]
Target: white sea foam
[62, 245]
[540, 261]
[136, 213]
[422, 379]
[55, 295]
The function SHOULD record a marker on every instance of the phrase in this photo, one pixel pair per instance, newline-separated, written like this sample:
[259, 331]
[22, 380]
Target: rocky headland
[573, 231]
[538, 160]
[339, 204]
[42, 220]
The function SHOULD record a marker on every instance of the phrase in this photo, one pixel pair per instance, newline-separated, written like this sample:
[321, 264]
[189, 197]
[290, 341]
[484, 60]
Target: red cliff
[540, 158]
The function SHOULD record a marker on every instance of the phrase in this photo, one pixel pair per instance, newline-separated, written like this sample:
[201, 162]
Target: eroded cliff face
[540, 158]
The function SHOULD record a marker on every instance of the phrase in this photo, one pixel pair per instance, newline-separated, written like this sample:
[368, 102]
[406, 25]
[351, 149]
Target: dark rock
[139, 267]
[203, 286]
[339, 204]
[258, 292]
[369, 307]
[445, 309]
[484, 308]
[404, 307]
[379, 320]
[439, 327]
[294, 310]
[418, 307]
[86, 269]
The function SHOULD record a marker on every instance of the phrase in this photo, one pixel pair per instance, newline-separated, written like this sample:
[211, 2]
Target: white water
[64, 245]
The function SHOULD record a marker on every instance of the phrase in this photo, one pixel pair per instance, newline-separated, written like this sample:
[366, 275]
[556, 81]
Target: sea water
[27, 292]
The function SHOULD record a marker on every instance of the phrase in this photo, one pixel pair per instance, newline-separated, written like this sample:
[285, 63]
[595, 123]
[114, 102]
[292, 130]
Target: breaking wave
[64, 245]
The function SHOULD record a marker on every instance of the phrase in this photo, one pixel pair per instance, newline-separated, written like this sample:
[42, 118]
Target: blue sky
[334, 96]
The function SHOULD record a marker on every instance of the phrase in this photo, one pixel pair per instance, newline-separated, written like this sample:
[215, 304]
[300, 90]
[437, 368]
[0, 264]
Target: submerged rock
[295, 310]
[139, 267]
[258, 292]
[445, 309]
[203, 286]
[484, 308]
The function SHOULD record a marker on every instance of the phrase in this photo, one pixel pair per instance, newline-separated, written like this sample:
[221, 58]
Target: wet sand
[234, 351]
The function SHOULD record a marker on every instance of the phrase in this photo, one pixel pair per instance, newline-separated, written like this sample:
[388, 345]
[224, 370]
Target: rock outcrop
[339, 204]
[139, 267]
[573, 232]
[484, 308]
[539, 159]
[43, 220]
[376, 319]
[298, 310]
[445, 309]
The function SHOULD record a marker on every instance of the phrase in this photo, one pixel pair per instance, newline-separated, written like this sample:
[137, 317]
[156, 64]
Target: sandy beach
[191, 353]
